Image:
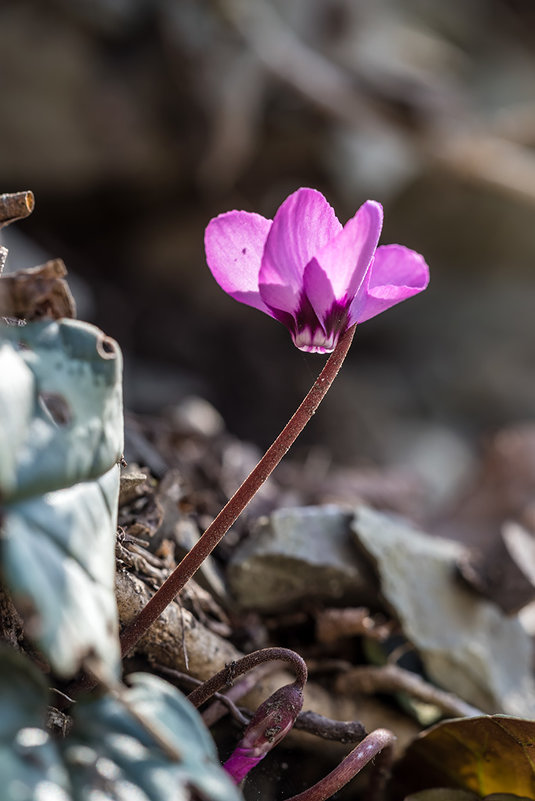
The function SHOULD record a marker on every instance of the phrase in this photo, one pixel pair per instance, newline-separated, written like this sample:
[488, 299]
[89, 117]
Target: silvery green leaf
[61, 432]
[110, 750]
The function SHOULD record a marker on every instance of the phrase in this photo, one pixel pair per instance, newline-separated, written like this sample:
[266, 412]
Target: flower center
[315, 341]
[311, 334]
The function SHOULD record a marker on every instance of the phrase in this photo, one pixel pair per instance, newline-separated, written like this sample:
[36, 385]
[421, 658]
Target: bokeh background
[135, 121]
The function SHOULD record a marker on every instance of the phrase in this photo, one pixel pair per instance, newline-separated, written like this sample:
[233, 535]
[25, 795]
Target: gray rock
[468, 646]
[301, 554]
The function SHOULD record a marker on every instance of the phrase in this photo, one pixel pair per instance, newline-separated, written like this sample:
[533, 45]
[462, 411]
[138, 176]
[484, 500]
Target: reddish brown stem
[229, 673]
[216, 710]
[235, 506]
[380, 742]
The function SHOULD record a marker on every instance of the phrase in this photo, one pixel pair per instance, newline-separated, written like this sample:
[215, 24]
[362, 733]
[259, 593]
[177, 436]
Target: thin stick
[341, 731]
[228, 703]
[226, 676]
[216, 710]
[235, 506]
[3, 257]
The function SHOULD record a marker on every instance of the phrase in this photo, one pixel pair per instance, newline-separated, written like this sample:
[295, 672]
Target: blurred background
[135, 121]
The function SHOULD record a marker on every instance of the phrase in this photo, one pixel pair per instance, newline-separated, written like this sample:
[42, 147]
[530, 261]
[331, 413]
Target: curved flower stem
[235, 506]
[379, 742]
[216, 710]
[226, 676]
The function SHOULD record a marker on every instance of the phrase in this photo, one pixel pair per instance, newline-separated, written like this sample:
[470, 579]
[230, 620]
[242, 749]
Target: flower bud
[271, 722]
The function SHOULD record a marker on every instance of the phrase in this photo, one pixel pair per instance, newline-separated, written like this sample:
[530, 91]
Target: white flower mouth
[316, 341]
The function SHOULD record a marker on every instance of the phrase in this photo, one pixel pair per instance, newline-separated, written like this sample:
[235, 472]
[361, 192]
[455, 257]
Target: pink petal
[345, 260]
[397, 273]
[240, 763]
[234, 243]
[304, 223]
[318, 288]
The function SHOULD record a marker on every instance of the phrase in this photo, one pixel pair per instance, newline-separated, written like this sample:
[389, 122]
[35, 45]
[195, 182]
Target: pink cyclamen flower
[308, 271]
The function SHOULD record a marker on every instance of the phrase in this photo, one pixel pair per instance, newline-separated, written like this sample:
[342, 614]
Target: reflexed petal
[345, 260]
[234, 244]
[304, 223]
[397, 273]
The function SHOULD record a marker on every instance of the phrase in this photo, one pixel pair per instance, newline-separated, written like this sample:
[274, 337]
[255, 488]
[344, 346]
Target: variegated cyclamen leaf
[110, 751]
[30, 762]
[61, 435]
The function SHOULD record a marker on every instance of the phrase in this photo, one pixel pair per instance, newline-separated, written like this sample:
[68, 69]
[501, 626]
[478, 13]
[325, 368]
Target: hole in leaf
[106, 347]
[57, 407]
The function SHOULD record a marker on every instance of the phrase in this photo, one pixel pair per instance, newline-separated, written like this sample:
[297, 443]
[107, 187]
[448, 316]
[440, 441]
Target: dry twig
[391, 678]
[468, 147]
[15, 206]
